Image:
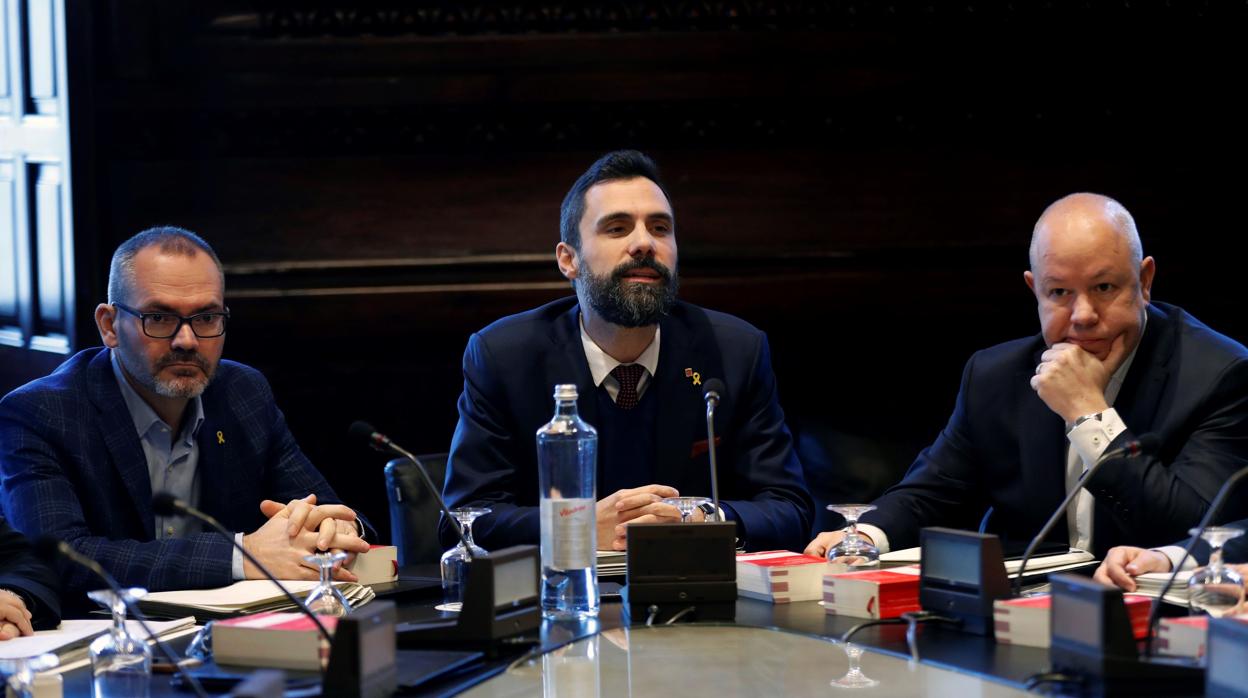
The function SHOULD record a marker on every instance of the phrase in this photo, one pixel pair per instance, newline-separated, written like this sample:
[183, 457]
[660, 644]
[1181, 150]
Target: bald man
[1108, 365]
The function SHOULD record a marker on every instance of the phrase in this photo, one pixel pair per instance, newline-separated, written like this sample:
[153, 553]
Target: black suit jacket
[1004, 448]
[72, 466]
[22, 572]
[511, 367]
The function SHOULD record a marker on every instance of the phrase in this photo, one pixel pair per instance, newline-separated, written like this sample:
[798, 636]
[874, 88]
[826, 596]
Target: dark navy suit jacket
[512, 366]
[72, 466]
[1004, 448]
[22, 572]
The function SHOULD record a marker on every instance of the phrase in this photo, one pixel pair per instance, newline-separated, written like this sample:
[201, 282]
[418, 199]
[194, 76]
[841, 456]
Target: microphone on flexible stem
[165, 504]
[48, 548]
[713, 392]
[1145, 444]
[1215, 507]
[381, 442]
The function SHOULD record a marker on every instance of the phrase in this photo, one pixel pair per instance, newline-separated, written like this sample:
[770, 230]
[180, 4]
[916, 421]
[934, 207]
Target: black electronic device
[1227, 673]
[1092, 641]
[961, 574]
[362, 663]
[687, 570]
[500, 603]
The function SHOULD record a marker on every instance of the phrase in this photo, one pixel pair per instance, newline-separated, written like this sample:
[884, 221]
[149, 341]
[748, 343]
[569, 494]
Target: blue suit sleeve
[481, 469]
[779, 512]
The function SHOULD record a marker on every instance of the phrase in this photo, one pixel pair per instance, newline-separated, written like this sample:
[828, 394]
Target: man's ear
[568, 262]
[105, 322]
[1148, 269]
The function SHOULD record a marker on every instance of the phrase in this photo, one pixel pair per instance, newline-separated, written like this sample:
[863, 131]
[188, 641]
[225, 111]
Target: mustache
[182, 357]
[645, 263]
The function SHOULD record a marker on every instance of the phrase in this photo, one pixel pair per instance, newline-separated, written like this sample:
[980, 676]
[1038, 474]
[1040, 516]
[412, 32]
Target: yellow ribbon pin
[697, 378]
[220, 437]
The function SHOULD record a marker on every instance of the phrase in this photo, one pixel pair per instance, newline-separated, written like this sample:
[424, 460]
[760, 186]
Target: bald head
[1090, 277]
[1086, 219]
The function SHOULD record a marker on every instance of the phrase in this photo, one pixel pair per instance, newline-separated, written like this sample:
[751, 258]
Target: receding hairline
[168, 240]
[1086, 203]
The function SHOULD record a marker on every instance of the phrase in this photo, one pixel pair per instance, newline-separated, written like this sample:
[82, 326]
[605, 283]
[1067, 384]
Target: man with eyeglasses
[83, 450]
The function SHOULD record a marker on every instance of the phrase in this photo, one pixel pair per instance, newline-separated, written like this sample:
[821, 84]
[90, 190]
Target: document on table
[76, 633]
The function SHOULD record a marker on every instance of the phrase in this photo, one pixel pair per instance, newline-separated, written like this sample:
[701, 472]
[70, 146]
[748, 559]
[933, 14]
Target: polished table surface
[968, 660]
[719, 661]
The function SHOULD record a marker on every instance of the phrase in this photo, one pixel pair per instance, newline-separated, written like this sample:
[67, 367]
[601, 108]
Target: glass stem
[119, 617]
[851, 531]
[326, 572]
[1215, 561]
[467, 527]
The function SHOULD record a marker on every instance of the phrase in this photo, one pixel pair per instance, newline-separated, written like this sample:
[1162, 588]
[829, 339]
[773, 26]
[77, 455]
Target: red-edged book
[780, 576]
[873, 594]
[281, 640]
[1026, 621]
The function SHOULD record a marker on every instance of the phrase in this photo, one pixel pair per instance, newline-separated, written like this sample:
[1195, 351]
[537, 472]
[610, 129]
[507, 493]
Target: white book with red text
[780, 576]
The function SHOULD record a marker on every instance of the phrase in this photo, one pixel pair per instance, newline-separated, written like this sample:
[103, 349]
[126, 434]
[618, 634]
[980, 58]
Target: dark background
[857, 179]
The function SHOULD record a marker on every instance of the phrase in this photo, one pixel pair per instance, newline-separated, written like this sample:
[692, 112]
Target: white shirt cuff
[879, 537]
[1091, 438]
[1174, 553]
[237, 565]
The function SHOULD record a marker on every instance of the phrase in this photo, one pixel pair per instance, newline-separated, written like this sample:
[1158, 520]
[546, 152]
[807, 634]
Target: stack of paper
[72, 637]
[1046, 564]
[242, 598]
[612, 563]
[1150, 585]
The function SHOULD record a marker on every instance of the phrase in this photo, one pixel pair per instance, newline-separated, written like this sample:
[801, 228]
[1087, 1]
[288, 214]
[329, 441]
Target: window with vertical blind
[36, 236]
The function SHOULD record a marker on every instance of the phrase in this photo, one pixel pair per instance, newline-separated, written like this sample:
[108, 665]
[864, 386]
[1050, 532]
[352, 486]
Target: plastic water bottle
[567, 458]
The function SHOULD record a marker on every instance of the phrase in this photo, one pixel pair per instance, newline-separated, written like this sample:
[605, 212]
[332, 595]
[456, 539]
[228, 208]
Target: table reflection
[720, 661]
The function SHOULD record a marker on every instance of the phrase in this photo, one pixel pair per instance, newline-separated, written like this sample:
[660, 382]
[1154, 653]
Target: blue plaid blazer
[72, 466]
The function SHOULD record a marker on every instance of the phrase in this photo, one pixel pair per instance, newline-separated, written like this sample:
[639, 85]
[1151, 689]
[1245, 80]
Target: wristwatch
[709, 512]
[1085, 418]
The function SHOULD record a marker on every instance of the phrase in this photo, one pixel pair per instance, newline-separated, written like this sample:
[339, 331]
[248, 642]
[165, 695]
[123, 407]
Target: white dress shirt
[1085, 445]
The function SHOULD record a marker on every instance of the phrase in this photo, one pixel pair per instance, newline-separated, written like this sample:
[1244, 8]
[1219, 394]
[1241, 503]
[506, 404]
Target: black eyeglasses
[160, 325]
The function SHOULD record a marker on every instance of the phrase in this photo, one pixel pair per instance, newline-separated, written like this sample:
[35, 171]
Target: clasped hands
[302, 527]
[618, 510]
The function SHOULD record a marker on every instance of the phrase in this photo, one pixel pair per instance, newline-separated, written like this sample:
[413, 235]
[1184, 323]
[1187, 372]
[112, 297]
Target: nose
[185, 338]
[1084, 313]
[641, 242]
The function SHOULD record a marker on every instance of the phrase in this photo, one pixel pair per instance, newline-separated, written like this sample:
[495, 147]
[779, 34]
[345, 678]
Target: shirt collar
[601, 363]
[142, 413]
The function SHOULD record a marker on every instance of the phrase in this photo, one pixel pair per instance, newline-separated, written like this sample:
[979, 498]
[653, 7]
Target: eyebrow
[623, 215]
[1100, 274]
[162, 308]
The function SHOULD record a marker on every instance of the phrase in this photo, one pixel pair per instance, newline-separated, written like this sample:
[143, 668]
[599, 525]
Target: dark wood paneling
[858, 179]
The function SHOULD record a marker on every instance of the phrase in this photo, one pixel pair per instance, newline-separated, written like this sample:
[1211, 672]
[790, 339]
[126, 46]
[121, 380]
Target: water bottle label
[567, 533]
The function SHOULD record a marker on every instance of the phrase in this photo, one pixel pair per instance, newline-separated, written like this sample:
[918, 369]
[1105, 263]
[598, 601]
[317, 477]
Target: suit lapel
[567, 364]
[681, 410]
[1140, 396]
[218, 485]
[121, 438]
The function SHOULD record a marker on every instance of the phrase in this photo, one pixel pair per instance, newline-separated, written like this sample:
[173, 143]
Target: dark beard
[631, 304]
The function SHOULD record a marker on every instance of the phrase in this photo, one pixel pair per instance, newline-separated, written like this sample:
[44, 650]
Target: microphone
[1145, 444]
[165, 504]
[713, 392]
[365, 431]
[49, 548]
[1214, 508]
